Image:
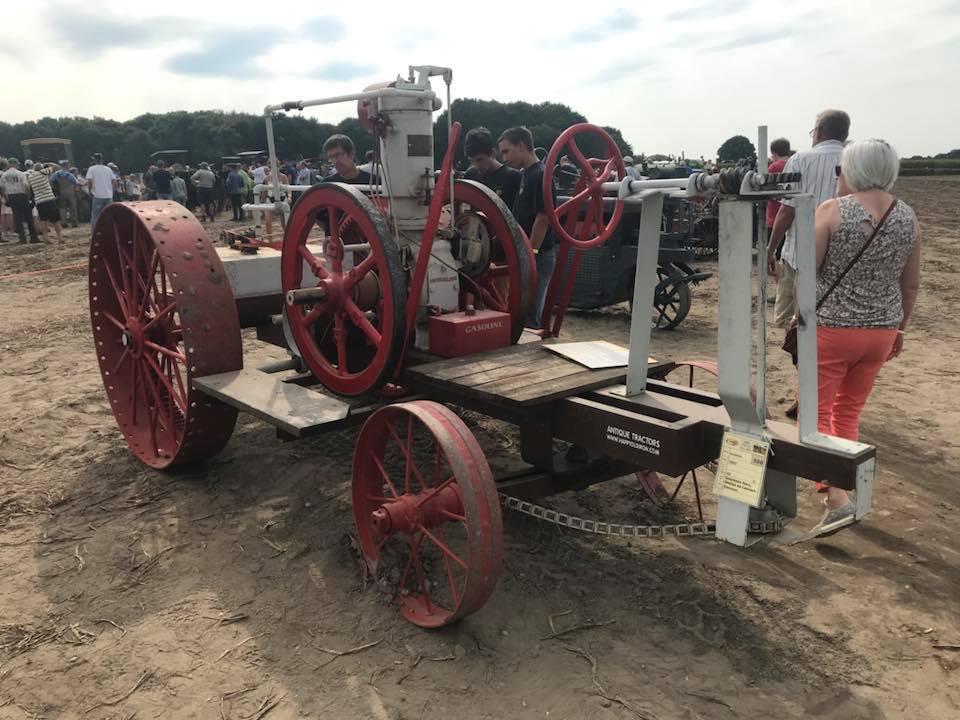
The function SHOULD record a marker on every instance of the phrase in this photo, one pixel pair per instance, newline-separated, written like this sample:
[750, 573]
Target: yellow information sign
[740, 470]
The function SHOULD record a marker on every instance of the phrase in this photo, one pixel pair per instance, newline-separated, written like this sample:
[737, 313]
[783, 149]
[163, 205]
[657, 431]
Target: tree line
[212, 134]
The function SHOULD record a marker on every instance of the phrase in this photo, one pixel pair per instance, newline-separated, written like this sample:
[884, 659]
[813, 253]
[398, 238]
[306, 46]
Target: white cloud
[679, 78]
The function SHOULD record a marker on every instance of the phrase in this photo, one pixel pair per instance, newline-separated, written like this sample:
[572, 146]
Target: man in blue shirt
[66, 184]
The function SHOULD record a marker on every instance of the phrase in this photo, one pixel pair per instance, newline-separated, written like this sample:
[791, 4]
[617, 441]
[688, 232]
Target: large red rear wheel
[349, 326]
[162, 313]
[592, 230]
[427, 512]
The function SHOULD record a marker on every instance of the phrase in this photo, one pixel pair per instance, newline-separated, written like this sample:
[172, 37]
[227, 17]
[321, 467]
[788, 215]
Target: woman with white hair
[868, 275]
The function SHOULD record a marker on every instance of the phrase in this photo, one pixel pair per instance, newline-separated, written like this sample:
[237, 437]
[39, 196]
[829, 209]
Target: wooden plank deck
[523, 375]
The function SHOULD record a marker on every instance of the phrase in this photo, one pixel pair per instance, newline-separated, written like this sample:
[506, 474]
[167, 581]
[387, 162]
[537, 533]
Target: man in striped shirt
[818, 176]
[47, 209]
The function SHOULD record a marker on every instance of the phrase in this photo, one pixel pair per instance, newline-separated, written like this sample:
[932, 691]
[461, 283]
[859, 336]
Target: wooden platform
[295, 410]
[523, 375]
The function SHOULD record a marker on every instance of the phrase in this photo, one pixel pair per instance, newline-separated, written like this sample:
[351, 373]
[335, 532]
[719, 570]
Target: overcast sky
[673, 77]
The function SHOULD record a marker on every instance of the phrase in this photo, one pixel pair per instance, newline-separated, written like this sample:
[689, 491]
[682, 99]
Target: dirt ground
[216, 593]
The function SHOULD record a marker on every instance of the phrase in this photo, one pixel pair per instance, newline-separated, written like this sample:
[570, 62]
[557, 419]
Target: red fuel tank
[457, 334]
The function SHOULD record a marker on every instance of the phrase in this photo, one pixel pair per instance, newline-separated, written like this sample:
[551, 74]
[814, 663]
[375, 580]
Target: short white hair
[870, 165]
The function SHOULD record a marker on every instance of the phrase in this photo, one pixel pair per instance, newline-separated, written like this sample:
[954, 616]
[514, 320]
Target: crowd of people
[37, 198]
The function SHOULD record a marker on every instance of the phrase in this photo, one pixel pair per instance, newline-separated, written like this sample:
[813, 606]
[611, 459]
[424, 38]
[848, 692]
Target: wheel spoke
[418, 568]
[151, 276]
[358, 272]
[437, 489]
[403, 450]
[165, 350]
[340, 339]
[161, 376]
[453, 516]
[443, 547]
[454, 592]
[121, 297]
[123, 273]
[335, 242]
[156, 396]
[319, 269]
[111, 318]
[168, 309]
[607, 169]
[574, 202]
[585, 167]
[414, 547]
[385, 476]
[311, 317]
[123, 356]
[360, 320]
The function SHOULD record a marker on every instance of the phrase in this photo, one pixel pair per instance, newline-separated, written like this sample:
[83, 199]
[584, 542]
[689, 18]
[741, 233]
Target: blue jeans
[97, 204]
[546, 262]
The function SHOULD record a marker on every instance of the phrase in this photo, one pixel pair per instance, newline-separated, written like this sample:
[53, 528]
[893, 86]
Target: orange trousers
[848, 361]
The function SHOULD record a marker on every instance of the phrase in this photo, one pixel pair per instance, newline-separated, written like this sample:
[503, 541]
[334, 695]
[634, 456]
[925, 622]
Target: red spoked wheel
[162, 313]
[588, 192]
[496, 257]
[345, 306]
[427, 512]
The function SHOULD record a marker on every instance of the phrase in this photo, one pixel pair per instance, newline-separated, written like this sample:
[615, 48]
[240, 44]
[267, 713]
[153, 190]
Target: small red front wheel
[427, 512]
[590, 229]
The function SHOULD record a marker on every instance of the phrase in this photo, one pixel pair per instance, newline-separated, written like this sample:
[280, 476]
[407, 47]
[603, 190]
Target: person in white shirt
[630, 170]
[100, 180]
[259, 173]
[818, 176]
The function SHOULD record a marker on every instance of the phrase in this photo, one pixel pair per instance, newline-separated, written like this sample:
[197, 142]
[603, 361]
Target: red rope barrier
[42, 272]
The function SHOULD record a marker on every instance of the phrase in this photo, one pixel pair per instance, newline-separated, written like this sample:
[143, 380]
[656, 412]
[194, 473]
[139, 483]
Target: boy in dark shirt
[339, 151]
[516, 149]
[486, 169]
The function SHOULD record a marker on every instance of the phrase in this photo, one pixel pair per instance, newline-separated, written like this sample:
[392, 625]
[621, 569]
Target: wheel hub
[428, 509]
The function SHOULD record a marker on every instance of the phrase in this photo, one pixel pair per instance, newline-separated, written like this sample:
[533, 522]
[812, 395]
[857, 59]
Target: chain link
[701, 529]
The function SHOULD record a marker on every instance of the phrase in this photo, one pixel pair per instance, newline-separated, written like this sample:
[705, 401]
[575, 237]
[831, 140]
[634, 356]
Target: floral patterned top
[869, 295]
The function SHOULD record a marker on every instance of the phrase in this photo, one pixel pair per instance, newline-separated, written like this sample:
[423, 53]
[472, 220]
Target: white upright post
[761, 258]
[806, 285]
[735, 347]
[644, 284]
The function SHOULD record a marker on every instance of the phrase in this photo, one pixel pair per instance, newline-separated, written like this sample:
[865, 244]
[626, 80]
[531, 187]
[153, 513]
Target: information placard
[741, 468]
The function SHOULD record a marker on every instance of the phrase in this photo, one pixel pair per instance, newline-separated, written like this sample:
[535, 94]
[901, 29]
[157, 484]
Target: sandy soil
[130, 593]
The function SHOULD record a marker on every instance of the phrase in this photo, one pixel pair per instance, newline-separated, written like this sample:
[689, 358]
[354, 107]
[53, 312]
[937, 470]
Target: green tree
[736, 148]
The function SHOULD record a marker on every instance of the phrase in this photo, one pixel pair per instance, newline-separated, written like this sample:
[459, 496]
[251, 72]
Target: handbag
[789, 345]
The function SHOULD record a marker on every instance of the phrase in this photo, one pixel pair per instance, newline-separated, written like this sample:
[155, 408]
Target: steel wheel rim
[503, 227]
[466, 485]
[162, 313]
[380, 328]
[587, 190]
